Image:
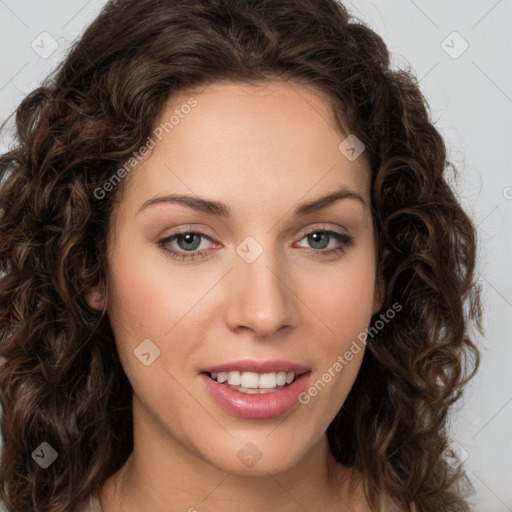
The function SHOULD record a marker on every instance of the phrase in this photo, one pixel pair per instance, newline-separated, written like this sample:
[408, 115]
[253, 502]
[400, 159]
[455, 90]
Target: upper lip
[247, 365]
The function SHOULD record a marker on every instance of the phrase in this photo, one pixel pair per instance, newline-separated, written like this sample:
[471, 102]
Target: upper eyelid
[324, 228]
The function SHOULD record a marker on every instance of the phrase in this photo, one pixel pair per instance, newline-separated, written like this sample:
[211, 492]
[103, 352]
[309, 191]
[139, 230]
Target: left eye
[318, 239]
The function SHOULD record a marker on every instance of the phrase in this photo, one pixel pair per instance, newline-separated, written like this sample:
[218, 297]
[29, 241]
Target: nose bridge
[260, 299]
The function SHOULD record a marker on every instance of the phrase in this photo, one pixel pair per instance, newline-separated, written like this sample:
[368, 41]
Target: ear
[95, 298]
[380, 286]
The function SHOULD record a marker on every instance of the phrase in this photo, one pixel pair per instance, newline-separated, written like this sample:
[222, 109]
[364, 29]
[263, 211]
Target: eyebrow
[220, 209]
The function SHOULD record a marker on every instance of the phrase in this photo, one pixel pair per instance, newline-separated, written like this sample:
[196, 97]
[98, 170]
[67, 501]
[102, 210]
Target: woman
[235, 275]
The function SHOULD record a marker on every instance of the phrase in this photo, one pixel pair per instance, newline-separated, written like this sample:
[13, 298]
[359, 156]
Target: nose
[261, 297]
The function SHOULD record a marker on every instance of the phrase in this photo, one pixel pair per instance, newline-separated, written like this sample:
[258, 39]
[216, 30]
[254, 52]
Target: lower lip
[258, 406]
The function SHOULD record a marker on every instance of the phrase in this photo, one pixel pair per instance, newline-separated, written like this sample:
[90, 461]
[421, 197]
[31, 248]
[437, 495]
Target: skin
[262, 150]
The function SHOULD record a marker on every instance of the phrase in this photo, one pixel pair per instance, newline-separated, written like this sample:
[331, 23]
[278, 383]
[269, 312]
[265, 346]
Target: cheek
[146, 297]
[141, 308]
[147, 300]
[343, 302]
[345, 307]
[343, 299]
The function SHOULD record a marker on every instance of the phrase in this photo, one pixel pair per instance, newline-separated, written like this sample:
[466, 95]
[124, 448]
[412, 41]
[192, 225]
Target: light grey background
[471, 102]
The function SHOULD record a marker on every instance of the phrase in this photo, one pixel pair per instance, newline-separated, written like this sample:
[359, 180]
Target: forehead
[244, 142]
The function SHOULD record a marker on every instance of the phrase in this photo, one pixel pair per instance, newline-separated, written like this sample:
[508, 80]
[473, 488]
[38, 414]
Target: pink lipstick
[256, 389]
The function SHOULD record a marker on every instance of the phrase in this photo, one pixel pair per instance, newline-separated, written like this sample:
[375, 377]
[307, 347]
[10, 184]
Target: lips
[266, 400]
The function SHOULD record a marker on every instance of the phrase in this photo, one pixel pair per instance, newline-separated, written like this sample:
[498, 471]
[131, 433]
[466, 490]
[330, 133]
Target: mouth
[256, 390]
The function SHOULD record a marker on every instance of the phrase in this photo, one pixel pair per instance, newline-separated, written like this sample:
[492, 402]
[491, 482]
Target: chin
[258, 457]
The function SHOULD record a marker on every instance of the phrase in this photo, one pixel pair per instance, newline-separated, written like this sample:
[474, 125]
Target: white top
[94, 504]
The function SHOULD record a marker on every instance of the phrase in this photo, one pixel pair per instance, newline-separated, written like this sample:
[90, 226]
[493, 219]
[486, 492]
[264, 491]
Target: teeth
[267, 380]
[234, 378]
[251, 380]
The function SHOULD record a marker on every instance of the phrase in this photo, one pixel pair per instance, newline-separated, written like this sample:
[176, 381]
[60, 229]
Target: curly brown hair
[62, 381]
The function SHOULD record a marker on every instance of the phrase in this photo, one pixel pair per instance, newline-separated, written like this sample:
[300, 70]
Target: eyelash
[346, 241]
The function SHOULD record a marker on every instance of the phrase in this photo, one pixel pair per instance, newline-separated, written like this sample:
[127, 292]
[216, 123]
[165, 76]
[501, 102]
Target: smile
[253, 394]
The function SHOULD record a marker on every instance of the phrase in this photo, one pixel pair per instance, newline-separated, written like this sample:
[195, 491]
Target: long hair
[61, 381]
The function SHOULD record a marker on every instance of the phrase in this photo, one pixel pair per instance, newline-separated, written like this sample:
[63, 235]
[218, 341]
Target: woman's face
[267, 282]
